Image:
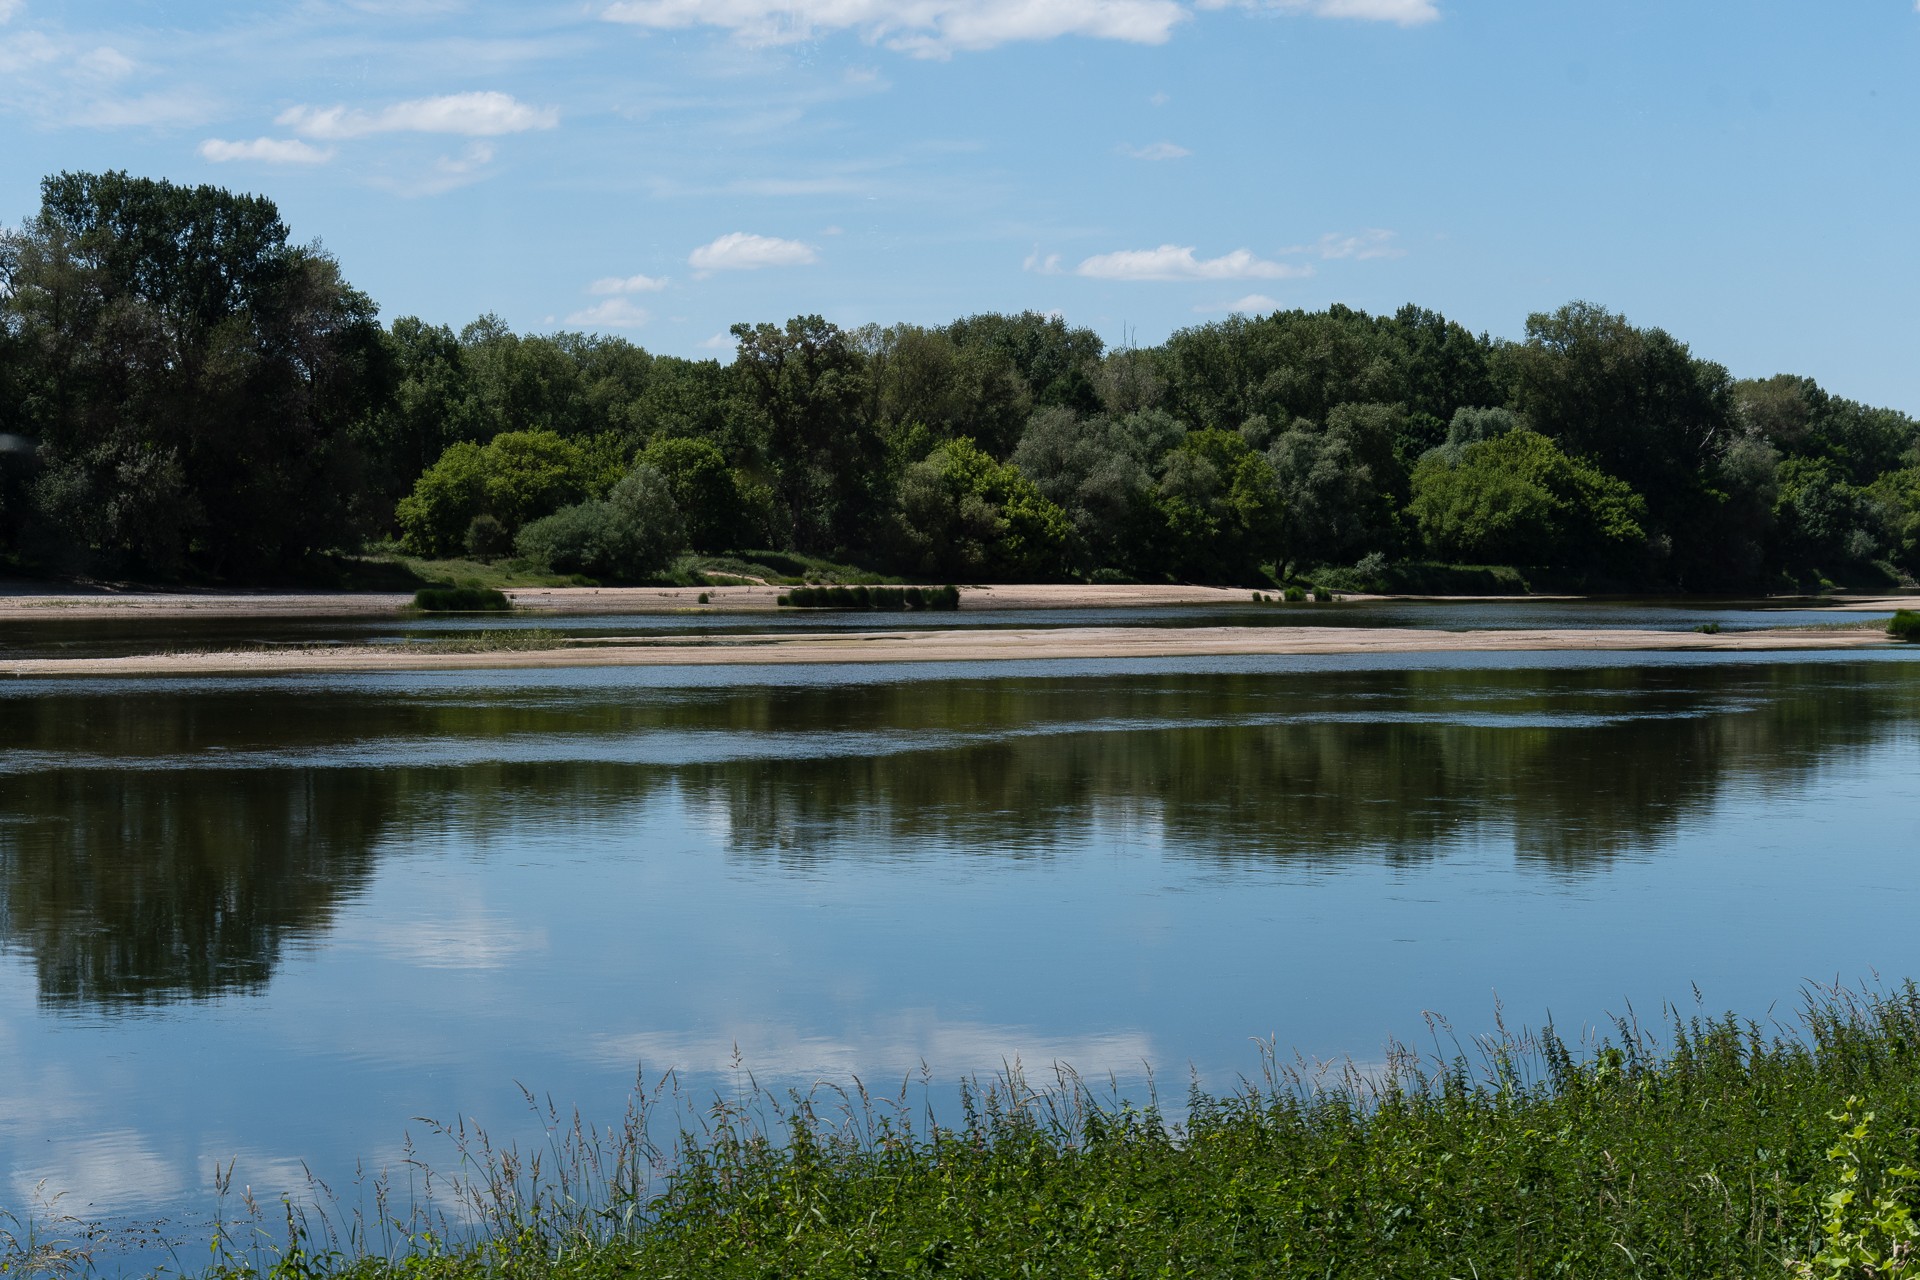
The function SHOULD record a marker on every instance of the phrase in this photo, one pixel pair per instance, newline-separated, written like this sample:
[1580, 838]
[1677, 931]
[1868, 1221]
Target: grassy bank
[1729, 1150]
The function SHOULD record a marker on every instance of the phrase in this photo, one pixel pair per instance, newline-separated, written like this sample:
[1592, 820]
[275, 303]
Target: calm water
[275, 921]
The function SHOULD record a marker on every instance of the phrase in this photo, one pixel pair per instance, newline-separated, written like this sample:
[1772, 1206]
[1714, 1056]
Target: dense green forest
[186, 394]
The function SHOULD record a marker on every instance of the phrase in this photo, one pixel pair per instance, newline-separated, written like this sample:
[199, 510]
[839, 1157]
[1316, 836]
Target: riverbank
[1715, 1154]
[971, 645]
[35, 600]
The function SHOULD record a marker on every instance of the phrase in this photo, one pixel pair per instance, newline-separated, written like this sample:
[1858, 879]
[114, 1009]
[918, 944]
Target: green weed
[1715, 1155]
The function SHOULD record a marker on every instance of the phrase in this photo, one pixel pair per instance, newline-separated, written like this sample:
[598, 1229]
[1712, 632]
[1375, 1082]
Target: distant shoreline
[973, 645]
[22, 601]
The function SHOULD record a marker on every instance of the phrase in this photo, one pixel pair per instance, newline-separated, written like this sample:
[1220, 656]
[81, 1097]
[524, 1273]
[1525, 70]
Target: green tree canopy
[1221, 505]
[705, 491]
[1517, 498]
[191, 377]
[515, 477]
[629, 536]
[961, 514]
[806, 383]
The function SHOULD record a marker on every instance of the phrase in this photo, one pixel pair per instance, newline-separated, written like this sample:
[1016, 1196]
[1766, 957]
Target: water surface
[276, 920]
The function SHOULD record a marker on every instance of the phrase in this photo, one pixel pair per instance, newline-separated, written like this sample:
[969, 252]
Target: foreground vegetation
[185, 394]
[1731, 1151]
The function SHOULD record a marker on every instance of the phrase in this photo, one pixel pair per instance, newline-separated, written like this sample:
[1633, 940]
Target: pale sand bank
[29, 602]
[943, 646]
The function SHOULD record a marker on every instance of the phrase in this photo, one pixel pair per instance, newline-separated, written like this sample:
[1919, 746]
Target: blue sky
[1744, 175]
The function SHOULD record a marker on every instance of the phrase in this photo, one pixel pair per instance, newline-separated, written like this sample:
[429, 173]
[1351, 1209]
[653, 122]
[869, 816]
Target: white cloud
[1156, 151]
[1406, 13]
[447, 173]
[628, 284]
[1372, 243]
[477, 115]
[924, 28]
[265, 150]
[1251, 305]
[897, 1043]
[740, 251]
[105, 63]
[1176, 262]
[1047, 266]
[614, 313]
[8, 8]
[109, 1172]
[721, 342]
[150, 110]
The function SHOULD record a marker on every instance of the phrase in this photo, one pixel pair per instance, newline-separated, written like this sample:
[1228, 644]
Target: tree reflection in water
[159, 846]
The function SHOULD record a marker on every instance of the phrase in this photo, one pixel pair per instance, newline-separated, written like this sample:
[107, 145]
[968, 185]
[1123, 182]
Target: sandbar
[971, 645]
[32, 600]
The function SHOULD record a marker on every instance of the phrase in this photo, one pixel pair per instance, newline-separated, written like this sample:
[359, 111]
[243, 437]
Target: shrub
[1904, 625]
[487, 538]
[1295, 595]
[632, 534]
[1322, 596]
[461, 600]
[917, 598]
[515, 477]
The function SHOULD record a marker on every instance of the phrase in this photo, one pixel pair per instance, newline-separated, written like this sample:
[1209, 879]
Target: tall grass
[1904, 625]
[1730, 1150]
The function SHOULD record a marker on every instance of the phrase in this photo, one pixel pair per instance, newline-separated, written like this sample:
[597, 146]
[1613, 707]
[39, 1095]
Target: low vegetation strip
[1735, 1150]
[461, 600]
[864, 597]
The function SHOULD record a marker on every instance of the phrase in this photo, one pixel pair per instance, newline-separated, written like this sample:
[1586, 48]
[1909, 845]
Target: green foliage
[1715, 1156]
[183, 393]
[515, 477]
[864, 597]
[1820, 516]
[1904, 625]
[806, 385]
[1866, 1225]
[1099, 470]
[1220, 505]
[190, 378]
[461, 600]
[1516, 498]
[964, 514]
[487, 538]
[705, 491]
[1054, 359]
[1894, 505]
[629, 536]
[1340, 485]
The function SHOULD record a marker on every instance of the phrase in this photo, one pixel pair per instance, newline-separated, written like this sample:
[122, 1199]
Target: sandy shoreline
[975, 645]
[23, 601]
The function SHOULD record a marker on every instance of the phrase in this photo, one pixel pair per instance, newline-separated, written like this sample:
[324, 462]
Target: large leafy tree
[1057, 360]
[1517, 498]
[806, 384]
[1340, 485]
[516, 477]
[191, 377]
[1221, 505]
[1634, 401]
[960, 513]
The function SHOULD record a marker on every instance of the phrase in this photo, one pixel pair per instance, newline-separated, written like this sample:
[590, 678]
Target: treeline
[184, 392]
